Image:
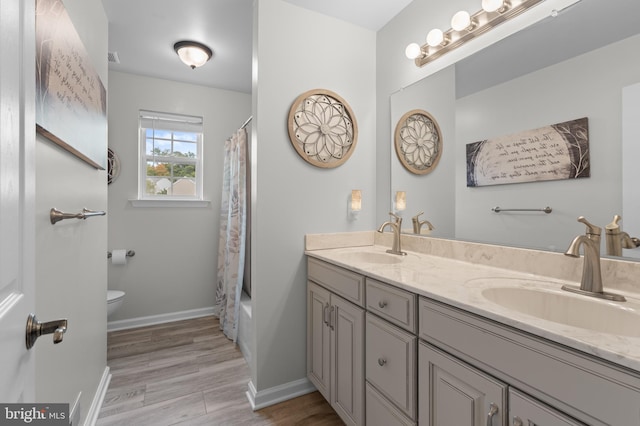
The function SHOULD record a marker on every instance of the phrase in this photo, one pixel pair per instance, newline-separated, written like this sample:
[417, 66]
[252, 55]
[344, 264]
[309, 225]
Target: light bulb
[492, 5]
[461, 20]
[435, 37]
[413, 51]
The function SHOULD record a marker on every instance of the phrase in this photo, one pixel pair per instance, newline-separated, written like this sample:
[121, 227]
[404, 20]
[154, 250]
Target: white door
[17, 185]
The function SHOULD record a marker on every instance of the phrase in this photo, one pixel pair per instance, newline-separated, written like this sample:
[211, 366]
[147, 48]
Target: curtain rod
[247, 122]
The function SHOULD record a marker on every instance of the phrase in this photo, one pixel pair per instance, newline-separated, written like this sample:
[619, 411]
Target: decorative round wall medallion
[418, 142]
[113, 166]
[322, 128]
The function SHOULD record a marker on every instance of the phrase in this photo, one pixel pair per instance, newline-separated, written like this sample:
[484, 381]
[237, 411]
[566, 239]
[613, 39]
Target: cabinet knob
[517, 421]
[382, 304]
[493, 410]
[381, 362]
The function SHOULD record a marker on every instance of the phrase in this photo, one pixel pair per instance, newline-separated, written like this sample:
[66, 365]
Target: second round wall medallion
[322, 128]
[418, 142]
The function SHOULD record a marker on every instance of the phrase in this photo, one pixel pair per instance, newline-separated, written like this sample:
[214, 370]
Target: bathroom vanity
[436, 340]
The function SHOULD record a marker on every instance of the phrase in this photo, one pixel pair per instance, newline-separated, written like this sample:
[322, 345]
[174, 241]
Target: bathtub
[244, 326]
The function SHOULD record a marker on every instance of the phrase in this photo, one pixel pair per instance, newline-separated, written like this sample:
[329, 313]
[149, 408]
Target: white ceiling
[143, 32]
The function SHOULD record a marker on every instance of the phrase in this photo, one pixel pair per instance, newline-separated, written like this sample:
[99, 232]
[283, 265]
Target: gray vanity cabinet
[454, 393]
[547, 384]
[335, 340]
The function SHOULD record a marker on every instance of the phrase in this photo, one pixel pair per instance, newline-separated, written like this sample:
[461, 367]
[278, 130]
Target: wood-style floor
[189, 373]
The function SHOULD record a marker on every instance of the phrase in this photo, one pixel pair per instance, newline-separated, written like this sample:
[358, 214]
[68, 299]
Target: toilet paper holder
[130, 253]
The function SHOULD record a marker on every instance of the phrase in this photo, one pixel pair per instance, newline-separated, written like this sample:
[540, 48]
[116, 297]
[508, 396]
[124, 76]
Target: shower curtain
[231, 250]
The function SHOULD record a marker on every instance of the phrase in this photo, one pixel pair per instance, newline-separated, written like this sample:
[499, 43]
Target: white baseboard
[98, 399]
[158, 319]
[276, 394]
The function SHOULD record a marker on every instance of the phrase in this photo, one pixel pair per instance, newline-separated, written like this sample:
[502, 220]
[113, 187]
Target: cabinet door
[347, 361]
[318, 338]
[454, 393]
[527, 411]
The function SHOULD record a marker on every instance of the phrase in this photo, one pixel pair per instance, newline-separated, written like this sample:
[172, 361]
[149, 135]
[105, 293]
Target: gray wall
[299, 50]
[71, 271]
[175, 266]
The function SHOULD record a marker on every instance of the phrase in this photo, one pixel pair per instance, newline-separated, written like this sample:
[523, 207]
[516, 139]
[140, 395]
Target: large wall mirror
[575, 65]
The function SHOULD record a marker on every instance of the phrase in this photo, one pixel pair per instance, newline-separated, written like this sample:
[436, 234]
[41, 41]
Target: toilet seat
[114, 295]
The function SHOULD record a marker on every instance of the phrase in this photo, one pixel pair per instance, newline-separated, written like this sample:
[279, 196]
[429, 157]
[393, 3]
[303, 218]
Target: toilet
[114, 301]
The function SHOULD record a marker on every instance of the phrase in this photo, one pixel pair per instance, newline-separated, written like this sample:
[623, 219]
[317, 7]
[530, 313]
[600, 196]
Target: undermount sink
[372, 257]
[616, 318]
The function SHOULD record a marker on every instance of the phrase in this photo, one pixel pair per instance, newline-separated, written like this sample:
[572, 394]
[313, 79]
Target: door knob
[36, 329]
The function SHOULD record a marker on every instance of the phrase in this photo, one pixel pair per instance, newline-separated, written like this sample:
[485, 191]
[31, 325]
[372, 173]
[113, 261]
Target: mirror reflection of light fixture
[192, 53]
[401, 201]
[465, 27]
[355, 203]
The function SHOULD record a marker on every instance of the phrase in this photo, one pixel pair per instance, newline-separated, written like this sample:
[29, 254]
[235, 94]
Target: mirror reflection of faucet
[616, 240]
[396, 227]
[417, 224]
[591, 283]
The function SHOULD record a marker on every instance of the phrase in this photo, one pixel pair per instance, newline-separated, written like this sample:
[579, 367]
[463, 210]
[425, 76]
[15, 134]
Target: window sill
[170, 203]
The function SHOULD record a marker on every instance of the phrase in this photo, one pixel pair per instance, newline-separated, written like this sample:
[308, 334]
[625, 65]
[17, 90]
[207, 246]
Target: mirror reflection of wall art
[558, 151]
[418, 142]
[71, 101]
[113, 166]
[322, 128]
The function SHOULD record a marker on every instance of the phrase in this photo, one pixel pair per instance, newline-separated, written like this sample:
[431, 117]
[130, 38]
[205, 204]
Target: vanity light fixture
[462, 21]
[192, 53]
[465, 27]
[355, 203]
[401, 201]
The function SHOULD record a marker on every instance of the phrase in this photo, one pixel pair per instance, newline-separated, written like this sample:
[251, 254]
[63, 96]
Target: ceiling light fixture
[192, 53]
[465, 27]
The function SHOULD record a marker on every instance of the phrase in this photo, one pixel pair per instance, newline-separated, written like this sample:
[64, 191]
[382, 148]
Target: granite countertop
[460, 284]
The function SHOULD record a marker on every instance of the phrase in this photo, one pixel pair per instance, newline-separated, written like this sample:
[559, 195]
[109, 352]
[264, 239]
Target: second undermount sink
[371, 257]
[622, 319]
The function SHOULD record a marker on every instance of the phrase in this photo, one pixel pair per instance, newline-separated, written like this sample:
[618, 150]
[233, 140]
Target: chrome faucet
[617, 240]
[417, 223]
[591, 284]
[396, 227]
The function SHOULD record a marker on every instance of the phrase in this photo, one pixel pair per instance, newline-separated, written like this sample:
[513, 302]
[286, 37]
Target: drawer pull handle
[493, 410]
[325, 311]
[517, 421]
[381, 362]
[382, 304]
[332, 317]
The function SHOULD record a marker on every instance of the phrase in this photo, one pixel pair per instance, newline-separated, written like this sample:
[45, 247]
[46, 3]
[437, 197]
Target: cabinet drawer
[391, 363]
[524, 410]
[393, 304]
[340, 281]
[381, 412]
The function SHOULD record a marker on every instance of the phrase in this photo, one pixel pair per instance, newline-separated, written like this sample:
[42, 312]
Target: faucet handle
[591, 228]
[396, 217]
[614, 225]
[416, 216]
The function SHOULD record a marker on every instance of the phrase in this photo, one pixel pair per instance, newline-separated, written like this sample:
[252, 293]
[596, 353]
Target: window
[170, 157]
